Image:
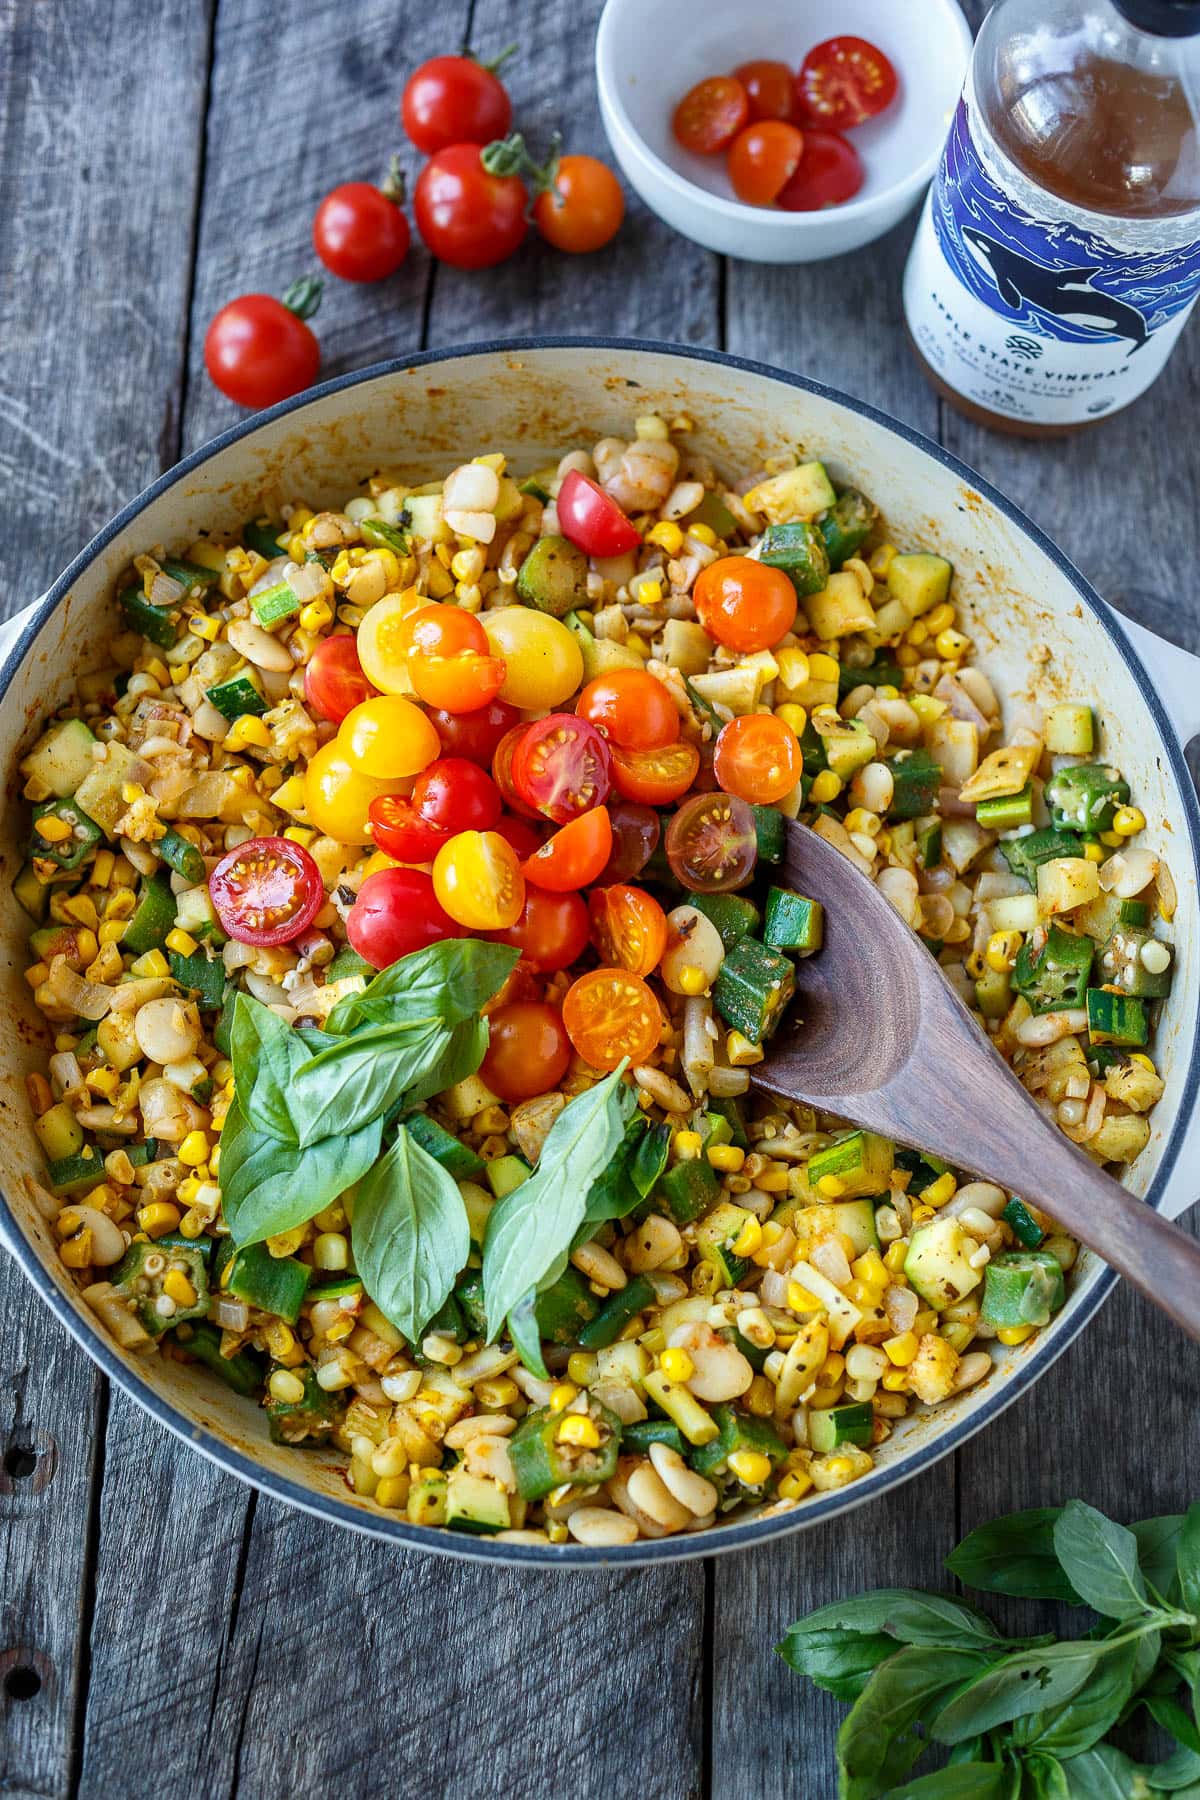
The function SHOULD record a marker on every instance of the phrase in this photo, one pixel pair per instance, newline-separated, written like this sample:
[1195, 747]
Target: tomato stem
[499, 61]
[304, 296]
[395, 182]
[509, 156]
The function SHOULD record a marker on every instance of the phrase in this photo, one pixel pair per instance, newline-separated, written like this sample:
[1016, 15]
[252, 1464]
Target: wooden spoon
[877, 1034]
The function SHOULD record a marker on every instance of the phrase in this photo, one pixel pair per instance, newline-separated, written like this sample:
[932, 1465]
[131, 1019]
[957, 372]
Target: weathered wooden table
[161, 1628]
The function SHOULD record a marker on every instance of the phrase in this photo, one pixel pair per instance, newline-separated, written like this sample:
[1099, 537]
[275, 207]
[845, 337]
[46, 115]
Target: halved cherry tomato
[502, 772]
[635, 834]
[360, 233]
[632, 708]
[524, 836]
[466, 216]
[830, 173]
[543, 661]
[758, 758]
[437, 629]
[457, 795]
[769, 88]
[388, 738]
[843, 82]
[762, 159]
[581, 207]
[629, 928]
[454, 100]
[381, 645]
[528, 1050]
[267, 891]
[552, 931]
[574, 856]
[337, 796]
[655, 776]
[334, 682]
[711, 114]
[744, 604]
[400, 831]
[474, 734]
[258, 350]
[591, 519]
[610, 1014]
[562, 766]
[711, 844]
[449, 662]
[477, 878]
[395, 913]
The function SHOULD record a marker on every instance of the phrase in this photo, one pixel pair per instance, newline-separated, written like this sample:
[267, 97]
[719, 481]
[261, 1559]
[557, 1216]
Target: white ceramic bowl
[1018, 596]
[650, 52]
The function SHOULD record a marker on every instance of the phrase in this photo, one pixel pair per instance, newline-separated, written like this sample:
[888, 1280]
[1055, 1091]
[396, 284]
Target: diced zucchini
[770, 833]
[61, 757]
[689, 1189]
[854, 1219]
[734, 916]
[457, 1158]
[152, 919]
[1022, 1223]
[752, 989]
[938, 1263]
[840, 608]
[793, 922]
[274, 604]
[1065, 883]
[100, 794]
[686, 646]
[384, 536]
[203, 977]
[1119, 1019]
[181, 856]
[799, 549]
[189, 575]
[59, 1133]
[553, 577]
[928, 833]
[833, 1425]
[425, 515]
[916, 779]
[713, 512]
[734, 1431]
[507, 1173]
[240, 694]
[265, 537]
[736, 689]
[860, 1163]
[1070, 730]
[799, 493]
[716, 1235]
[158, 623]
[196, 914]
[476, 1504]
[1025, 855]
[922, 1169]
[75, 1174]
[848, 747]
[602, 655]
[993, 993]
[919, 581]
[847, 525]
[31, 893]
[537, 485]
[69, 852]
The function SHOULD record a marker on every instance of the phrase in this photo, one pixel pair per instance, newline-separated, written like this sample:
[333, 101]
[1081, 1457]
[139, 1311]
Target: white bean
[473, 487]
[873, 787]
[258, 646]
[662, 1090]
[108, 1243]
[899, 888]
[167, 1030]
[654, 1243]
[693, 942]
[651, 1495]
[683, 1484]
[983, 1196]
[1048, 1028]
[971, 1369]
[601, 1527]
[719, 1370]
[598, 1264]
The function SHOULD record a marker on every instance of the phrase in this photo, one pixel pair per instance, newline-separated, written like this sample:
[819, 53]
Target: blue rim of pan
[718, 1538]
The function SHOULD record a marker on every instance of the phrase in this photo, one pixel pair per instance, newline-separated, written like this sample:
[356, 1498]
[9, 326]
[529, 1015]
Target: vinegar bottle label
[1035, 309]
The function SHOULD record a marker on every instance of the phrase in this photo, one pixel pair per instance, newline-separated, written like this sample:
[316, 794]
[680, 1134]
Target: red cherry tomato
[524, 836]
[591, 519]
[334, 682]
[359, 232]
[830, 173]
[629, 928]
[711, 844]
[635, 834]
[457, 795]
[258, 351]
[655, 776]
[843, 82]
[562, 767]
[454, 100]
[528, 1051]
[467, 217]
[711, 114]
[396, 912]
[769, 88]
[477, 734]
[267, 891]
[502, 772]
[399, 830]
[632, 708]
[762, 160]
[583, 206]
[758, 758]
[552, 931]
[744, 604]
[574, 856]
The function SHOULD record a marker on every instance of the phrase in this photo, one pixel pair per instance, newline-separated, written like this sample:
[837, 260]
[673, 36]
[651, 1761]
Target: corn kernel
[563, 1395]
[759, 1398]
[951, 645]
[794, 1485]
[740, 1051]
[152, 964]
[688, 1145]
[158, 1218]
[1093, 852]
[246, 730]
[579, 1430]
[205, 626]
[869, 1267]
[1128, 821]
[638, 644]
[104, 1081]
[729, 1159]
[826, 787]
[940, 1191]
[182, 942]
[177, 1285]
[895, 1381]
[831, 1187]
[102, 869]
[703, 534]
[76, 1253]
[692, 979]
[286, 1388]
[581, 1367]
[793, 716]
[751, 1467]
[667, 535]
[303, 835]
[194, 1149]
[392, 1491]
[1143, 1061]
[941, 618]
[1112, 839]
[677, 1365]
[800, 1300]
[901, 1350]
[497, 1393]
[52, 829]
[192, 1223]
[748, 1239]
[1014, 1334]
[316, 615]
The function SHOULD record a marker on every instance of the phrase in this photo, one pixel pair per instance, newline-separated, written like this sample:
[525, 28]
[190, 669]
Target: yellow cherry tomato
[389, 738]
[337, 795]
[380, 860]
[380, 650]
[544, 664]
[478, 881]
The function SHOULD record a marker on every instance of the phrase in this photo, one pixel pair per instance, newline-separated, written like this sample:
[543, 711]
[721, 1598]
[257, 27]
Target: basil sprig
[411, 1235]
[1024, 1716]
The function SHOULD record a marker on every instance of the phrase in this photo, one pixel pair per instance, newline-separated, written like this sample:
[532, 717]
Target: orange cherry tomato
[449, 659]
[711, 114]
[528, 1050]
[478, 880]
[582, 206]
[758, 758]
[440, 630]
[574, 856]
[552, 931]
[769, 88]
[632, 708]
[744, 604]
[655, 777]
[629, 928]
[388, 738]
[762, 160]
[610, 1014]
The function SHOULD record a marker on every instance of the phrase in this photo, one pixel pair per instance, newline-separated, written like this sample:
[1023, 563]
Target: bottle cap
[1165, 18]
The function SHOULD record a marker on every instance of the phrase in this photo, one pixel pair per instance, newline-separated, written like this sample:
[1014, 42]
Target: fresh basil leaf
[966, 1781]
[449, 982]
[1158, 1543]
[1067, 1730]
[613, 1194]
[1045, 1778]
[1176, 1719]
[534, 1224]
[461, 1050]
[313, 1038]
[1014, 1555]
[878, 1742]
[841, 1662]
[909, 1614]
[1178, 1774]
[1188, 1559]
[1027, 1681]
[268, 1186]
[650, 1159]
[410, 1235]
[525, 1337]
[362, 1077]
[1100, 1560]
[1104, 1773]
[266, 1055]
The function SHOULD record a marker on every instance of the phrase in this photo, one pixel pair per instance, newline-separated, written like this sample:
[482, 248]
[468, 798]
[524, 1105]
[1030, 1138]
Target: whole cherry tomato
[574, 856]
[474, 735]
[591, 519]
[758, 758]
[581, 207]
[388, 738]
[337, 796]
[267, 891]
[542, 658]
[762, 160]
[843, 82]
[635, 834]
[395, 913]
[629, 928]
[401, 832]
[711, 843]
[770, 88]
[477, 878]
[258, 350]
[466, 216]
[830, 173]
[711, 114]
[528, 1050]
[744, 604]
[552, 931]
[655, 777]
[610, 1014]
[455, 100]
[632, 708]
[334, 681]
[457, 795]
[360, 233]
[561, 767]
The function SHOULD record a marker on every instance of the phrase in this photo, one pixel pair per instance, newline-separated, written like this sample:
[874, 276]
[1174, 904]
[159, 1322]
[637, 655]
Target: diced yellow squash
[1120, 1138]
[1004, 772]
[737, 689]
[686, 646]
[840, 608]
[1134, 1086]
[799, 493]
[1065, 883]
